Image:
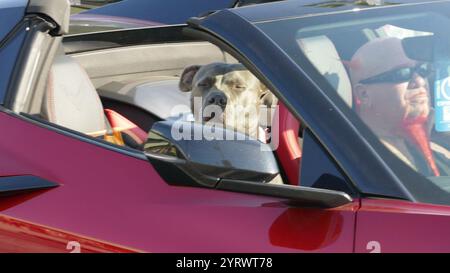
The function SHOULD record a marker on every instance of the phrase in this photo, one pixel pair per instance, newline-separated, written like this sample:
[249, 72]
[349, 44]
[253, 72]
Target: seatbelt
[417, 133]
[112, 135]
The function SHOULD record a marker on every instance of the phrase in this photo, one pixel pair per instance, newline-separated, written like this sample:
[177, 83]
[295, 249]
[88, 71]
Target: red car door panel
[109, 198]
[402, 226]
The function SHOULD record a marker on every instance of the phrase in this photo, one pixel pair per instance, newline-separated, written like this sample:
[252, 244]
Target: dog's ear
[266, 97]
[187, 77]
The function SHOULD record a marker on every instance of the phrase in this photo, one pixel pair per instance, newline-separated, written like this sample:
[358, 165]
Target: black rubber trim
[127, 37]
[11, 185]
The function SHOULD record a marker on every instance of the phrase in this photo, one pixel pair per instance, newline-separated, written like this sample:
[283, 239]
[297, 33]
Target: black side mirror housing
[211, 153]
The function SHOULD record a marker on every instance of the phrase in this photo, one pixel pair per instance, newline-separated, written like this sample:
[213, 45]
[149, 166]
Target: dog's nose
[218, 99]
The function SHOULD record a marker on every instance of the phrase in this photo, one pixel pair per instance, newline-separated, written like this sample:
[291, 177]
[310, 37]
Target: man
[392, 97]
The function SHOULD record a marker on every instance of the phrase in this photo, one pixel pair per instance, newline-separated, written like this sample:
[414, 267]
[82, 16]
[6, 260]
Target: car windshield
[391, 67]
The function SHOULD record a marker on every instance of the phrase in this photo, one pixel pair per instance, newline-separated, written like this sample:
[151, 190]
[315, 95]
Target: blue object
[442, 102]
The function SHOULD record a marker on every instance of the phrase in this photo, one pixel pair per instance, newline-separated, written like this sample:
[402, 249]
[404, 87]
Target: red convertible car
[360, 136]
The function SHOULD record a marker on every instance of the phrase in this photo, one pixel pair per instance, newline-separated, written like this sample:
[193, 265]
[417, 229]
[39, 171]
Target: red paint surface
[401, 226]
[20, 236]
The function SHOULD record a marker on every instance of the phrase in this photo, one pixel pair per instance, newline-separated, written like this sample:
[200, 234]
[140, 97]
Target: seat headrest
[322, 53]
[71, 99]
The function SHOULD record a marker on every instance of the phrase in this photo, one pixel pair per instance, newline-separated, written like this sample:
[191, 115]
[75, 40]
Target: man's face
[398, 102]
[390, 87]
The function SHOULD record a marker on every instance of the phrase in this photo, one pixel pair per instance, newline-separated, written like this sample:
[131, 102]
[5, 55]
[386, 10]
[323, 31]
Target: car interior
[117, 94]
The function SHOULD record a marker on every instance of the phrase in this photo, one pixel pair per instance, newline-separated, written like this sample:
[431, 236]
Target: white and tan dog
[228, 94]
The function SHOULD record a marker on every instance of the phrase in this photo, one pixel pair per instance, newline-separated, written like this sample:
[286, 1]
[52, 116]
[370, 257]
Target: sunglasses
[400, 75]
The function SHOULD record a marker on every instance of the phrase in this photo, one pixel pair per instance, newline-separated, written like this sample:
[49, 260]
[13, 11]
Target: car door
[105, 198]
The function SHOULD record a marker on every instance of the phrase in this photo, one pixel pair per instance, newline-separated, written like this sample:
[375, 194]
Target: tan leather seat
[323, 55]
[71, 99]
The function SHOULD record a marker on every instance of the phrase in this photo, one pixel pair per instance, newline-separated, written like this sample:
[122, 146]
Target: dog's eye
[240, 86]
[204, 85]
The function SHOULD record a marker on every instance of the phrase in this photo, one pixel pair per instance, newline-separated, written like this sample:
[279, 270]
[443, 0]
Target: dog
[228, 94]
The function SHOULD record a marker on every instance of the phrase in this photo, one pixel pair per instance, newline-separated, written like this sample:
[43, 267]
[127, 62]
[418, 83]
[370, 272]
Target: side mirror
[209, 154]
[227, 160]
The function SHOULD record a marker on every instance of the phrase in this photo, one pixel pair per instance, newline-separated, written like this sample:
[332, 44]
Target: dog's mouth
[214, 118]
[206, 119]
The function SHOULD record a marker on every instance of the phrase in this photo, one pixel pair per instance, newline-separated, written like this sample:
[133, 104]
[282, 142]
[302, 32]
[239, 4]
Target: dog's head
[226, 93]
